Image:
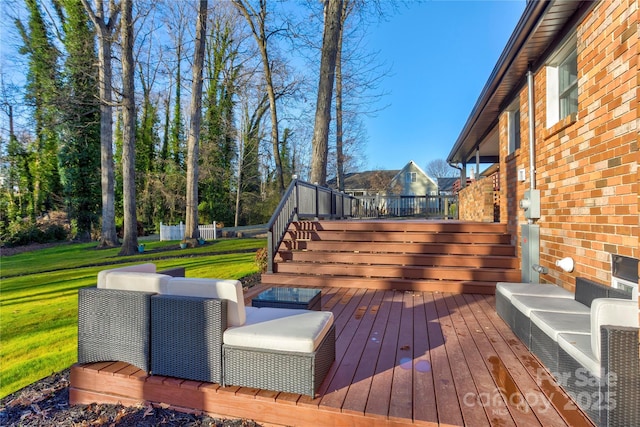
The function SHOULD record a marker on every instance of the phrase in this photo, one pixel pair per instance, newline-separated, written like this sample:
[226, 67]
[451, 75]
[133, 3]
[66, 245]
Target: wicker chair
[114, 324]
[186, 337]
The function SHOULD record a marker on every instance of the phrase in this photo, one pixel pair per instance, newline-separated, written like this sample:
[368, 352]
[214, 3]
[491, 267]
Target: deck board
[402, 358]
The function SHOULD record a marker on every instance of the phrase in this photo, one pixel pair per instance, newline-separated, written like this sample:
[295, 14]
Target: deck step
[453, 286]
[416, 259]
[445, 256]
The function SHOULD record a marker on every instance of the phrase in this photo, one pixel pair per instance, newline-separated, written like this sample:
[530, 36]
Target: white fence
[176, 232]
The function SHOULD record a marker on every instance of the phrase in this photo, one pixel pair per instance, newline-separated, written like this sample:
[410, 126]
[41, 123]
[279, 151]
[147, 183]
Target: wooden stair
[421, 255]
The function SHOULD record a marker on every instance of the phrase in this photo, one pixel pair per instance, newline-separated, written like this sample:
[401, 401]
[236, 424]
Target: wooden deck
[402, 358]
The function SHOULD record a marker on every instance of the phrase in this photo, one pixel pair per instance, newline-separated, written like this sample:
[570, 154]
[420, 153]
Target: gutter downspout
[532, 141]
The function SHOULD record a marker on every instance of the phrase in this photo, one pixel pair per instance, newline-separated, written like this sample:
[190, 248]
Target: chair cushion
[533, 289]
[136, 281]
[553, 323]
[526, 304]
[140, 268]
[578, 346]
[281, 329]
[614, 312]
[230, 290]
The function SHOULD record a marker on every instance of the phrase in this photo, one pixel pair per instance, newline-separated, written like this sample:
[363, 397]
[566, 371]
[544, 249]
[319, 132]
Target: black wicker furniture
[288, 371]
[114, 323]
[186, 336]
[593, 354]
[199, 329]
[505, 291]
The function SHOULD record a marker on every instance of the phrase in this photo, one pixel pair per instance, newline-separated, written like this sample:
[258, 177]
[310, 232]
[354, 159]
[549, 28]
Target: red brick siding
[476, 201]
[587, 165]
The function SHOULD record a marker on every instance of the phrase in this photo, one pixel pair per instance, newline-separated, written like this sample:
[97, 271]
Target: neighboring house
[411, 180]
[569, 78]
[368, 183]
[406, 192]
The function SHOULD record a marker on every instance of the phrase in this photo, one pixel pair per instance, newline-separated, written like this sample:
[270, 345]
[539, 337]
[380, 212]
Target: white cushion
[578, 346]
[611, 311]
[281, 329]
[140, 268]
[533, 289]
[553, 323]
[135, 281]
[230, 290]
[526, 304]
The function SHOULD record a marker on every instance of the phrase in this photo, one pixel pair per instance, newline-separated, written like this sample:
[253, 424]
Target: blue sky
[441, 54]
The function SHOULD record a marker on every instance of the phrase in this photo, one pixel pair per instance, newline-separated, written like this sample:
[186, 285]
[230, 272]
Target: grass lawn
[39, 296]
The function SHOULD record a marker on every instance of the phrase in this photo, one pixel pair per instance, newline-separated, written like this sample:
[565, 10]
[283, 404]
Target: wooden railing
[305, 200]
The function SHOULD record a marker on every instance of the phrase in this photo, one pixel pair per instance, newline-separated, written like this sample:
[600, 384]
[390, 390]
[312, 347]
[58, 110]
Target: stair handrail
[303, 199]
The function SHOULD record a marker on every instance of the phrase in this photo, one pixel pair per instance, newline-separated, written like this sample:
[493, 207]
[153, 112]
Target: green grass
[39, 296]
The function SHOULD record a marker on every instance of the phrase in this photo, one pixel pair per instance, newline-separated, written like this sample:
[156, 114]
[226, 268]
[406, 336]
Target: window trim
[513, 143]
[559, 58]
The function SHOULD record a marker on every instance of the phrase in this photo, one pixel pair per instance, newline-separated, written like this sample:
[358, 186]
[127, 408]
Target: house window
[514, 126]
[562, 83]
[411, 177]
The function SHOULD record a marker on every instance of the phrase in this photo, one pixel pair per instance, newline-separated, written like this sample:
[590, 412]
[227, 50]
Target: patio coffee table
[298, 298]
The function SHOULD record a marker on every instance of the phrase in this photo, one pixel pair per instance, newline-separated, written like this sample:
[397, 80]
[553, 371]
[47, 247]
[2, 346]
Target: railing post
[296, 200]
[270, 251]
[317, 194]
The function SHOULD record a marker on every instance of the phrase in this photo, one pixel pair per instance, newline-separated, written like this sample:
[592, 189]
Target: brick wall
[587, 165]
[476, 201]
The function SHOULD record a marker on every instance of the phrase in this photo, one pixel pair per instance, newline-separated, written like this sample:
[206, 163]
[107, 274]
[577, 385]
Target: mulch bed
[46, 403]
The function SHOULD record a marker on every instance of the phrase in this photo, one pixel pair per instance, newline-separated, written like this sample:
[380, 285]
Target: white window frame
[566, 50]
[411, 177]
[515, 128]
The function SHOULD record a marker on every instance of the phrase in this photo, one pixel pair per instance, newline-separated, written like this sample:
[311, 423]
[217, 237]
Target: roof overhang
[541, 25]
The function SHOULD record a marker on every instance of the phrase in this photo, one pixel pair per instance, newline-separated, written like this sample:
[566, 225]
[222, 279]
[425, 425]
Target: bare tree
[320, 142]
[257, 23]
[130, 243]
[347, 6]
[191, 224]
[439, 168]
[105, 26]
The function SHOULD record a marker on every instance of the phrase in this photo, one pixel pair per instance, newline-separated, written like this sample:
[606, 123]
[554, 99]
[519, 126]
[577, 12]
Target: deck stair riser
[444, 256]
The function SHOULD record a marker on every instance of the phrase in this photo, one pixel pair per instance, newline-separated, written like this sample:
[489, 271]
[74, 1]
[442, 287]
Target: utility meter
[531, 204]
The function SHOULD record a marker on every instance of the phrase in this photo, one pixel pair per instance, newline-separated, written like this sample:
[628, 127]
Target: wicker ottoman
[523, 305]
[505, 291]
[281, 360]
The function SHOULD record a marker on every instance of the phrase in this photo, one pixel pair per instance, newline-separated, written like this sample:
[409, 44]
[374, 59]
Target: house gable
[412, 181]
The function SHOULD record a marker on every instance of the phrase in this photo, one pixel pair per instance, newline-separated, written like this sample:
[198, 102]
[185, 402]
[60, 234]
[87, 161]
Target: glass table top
[296, 295]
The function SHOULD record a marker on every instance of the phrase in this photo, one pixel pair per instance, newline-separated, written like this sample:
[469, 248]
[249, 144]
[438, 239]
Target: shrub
[24, 233]
[261, 259]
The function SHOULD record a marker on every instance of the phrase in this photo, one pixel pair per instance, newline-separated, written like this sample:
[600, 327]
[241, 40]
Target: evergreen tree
[43, 84]
[176, 136]
[79, 153]
[218, 134]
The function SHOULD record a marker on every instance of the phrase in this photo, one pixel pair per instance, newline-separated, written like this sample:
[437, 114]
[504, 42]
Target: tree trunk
[339, 145]
[191, 224]
[104, 30]
[130, 243]
[261, 39]
[320, 142]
